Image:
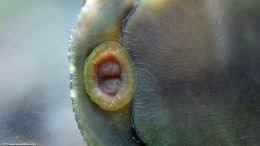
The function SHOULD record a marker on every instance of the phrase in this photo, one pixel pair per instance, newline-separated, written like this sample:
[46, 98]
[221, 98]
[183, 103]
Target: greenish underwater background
[35, 104]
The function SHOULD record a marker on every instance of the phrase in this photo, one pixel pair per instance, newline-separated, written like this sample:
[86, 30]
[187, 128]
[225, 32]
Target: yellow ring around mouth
[113, 88]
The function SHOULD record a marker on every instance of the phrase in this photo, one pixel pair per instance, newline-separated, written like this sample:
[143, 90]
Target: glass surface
[35, 104]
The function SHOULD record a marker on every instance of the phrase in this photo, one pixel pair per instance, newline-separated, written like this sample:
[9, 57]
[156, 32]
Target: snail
[175, 72]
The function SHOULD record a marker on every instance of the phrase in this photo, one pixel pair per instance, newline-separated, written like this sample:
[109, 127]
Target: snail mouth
[109, 76]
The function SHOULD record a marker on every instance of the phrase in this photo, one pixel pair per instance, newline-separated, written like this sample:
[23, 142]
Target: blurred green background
[35, 104]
